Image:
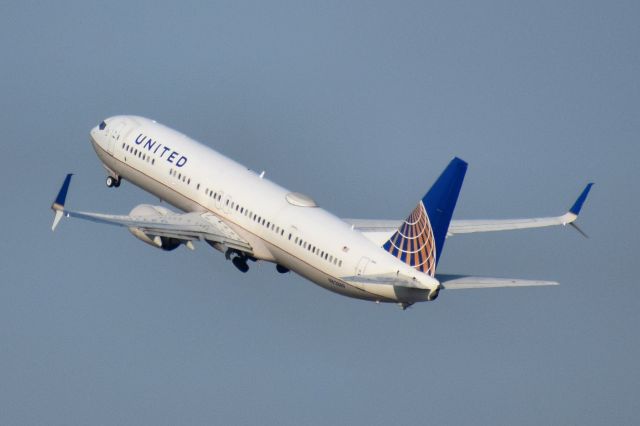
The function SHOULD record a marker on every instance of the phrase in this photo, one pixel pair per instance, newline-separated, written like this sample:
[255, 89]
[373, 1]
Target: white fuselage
[280, 227]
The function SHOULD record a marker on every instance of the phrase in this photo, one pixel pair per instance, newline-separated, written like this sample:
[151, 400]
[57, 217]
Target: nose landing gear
[113, 182]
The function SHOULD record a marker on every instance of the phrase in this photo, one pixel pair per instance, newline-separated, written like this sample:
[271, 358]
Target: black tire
[111, 181]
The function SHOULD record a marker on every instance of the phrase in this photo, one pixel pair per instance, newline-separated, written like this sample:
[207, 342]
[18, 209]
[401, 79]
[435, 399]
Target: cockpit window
[102, 125]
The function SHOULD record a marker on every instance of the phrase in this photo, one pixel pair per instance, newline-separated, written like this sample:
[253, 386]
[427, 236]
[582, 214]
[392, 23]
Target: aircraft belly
[324, 279]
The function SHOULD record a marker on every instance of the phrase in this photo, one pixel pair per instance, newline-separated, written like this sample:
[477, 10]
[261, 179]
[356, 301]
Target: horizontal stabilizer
[386, 279]
[460, 282]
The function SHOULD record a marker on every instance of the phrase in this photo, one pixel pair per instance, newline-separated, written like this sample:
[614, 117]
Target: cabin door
[362, 265]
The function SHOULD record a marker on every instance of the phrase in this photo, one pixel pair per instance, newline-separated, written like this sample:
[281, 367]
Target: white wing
[379, 231]
[181, 226]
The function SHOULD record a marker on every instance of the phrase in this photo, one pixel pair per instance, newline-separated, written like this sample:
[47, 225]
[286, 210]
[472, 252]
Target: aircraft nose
[93, 135]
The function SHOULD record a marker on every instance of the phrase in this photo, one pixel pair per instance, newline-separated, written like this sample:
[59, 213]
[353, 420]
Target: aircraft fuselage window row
[238, 208]
[137, 153]
[181, 177]
[233, 206]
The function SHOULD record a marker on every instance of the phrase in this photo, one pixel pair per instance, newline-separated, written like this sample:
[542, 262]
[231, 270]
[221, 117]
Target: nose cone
[98, 135]
[94, 136]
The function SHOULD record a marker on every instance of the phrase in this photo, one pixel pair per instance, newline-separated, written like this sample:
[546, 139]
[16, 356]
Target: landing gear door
[362, 265]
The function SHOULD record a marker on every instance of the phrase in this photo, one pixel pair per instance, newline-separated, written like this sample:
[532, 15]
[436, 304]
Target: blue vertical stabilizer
[441, 200]
[419, 240]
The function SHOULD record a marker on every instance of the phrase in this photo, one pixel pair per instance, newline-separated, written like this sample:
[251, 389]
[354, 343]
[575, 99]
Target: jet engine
[148, 211]
[433, 294]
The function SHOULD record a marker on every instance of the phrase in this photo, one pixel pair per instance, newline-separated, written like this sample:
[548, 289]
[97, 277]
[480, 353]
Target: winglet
[575, 209]
[58, 204]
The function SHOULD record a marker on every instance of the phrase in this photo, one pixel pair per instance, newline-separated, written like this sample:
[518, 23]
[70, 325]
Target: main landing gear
[113, 182]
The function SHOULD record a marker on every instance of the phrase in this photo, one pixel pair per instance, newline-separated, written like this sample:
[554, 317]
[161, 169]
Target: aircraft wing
[379, 230]
[460, 282]
[181, 226]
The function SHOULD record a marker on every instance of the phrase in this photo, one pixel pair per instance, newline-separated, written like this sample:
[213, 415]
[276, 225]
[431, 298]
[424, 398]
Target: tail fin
[419, 240]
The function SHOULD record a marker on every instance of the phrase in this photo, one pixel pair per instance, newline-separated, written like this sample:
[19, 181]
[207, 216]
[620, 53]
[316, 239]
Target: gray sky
[361, 105]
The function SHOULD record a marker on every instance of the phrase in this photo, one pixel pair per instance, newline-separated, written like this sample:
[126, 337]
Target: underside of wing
[463, 282]
[151, 223]
[180, 226]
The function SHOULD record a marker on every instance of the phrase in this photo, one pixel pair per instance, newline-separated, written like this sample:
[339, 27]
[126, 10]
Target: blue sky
[361, 105]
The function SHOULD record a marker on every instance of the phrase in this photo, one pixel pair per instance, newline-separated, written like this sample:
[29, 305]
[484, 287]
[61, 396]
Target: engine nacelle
[433, 294]
[147, 211]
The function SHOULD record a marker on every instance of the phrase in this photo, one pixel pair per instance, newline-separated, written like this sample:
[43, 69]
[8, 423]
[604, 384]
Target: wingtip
[58, 204]
[62, 194]
[577, 206]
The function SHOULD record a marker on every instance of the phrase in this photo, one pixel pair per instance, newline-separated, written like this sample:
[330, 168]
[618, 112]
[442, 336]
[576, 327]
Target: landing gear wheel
[113, 182]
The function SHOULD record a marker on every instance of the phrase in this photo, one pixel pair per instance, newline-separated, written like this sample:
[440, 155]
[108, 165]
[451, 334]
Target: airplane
[249, 218]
